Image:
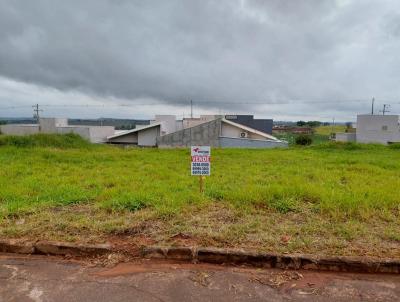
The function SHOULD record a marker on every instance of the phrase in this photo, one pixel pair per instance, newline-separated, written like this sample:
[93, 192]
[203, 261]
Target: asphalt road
[40, 278]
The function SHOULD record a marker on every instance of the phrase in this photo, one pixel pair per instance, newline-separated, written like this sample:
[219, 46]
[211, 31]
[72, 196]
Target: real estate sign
[200, 160]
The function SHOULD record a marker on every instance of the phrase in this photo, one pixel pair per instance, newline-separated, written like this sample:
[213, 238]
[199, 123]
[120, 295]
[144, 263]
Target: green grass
[327, 130]
[329, 198]
[69, 140]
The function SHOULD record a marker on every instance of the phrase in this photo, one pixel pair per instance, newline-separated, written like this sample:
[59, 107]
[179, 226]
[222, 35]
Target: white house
[381, 129]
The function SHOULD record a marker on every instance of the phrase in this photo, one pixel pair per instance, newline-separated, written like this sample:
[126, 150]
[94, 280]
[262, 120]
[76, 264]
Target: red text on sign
[200, 159]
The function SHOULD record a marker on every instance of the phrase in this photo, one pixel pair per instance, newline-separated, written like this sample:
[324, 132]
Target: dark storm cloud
[219, 51]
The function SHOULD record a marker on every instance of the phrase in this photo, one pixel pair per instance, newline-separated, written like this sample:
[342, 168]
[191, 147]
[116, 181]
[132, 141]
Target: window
[384, 128]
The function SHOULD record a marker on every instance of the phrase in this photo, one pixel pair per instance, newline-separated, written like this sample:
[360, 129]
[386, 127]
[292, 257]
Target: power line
[199, 103]
[15, 107]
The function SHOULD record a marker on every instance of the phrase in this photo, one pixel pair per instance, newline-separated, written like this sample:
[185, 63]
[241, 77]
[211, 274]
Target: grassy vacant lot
[291, 138]
[320, 136]
[327, 130]
[328, 199]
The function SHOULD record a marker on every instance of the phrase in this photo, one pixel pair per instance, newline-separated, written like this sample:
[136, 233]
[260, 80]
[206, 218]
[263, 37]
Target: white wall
[148, 137]
[49, 125]
[15, 129]
[99, 134]
[168, 123]
[345, 137]
[94, 134]
[378, 129]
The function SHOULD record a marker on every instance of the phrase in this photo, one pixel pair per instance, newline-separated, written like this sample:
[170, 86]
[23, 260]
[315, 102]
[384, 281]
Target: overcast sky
[312, 59]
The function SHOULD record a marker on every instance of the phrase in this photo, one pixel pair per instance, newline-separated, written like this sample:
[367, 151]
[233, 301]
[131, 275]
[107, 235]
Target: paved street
[40, 278]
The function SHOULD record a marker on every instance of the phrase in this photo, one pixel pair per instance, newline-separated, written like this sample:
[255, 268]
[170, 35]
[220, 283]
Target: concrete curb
[53, 248]
[213, 255]
[266, 260]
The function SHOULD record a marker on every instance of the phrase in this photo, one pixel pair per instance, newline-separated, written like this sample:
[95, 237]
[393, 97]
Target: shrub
[395, 146]
[303, 140]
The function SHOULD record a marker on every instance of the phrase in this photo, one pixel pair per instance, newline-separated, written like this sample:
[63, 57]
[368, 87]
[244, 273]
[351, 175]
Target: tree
[313, 124]
[301, 123]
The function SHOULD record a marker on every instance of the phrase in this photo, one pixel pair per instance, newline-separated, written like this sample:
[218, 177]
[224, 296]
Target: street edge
[213, 255]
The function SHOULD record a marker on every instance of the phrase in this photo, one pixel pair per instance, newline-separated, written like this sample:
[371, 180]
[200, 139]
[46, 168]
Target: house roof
[122, 133]
[263, 134]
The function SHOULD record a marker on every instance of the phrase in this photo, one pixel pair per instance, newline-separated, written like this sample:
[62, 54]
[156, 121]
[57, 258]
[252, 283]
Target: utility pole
[36, 114]
[385, 108]
[191, 108]
[373, 103]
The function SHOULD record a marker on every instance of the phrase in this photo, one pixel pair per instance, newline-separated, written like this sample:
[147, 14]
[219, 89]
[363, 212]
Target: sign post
[200, 163]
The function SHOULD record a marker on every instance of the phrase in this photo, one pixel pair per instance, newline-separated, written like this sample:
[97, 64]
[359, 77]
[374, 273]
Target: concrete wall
[192, 122]
[94, 134]
[15, 129]
[148, 137]
[205, 134]
[230, 142]
[50, 125]
[99, 134]
[378, 129]
[195, 121]
[345, 137]
[179, 125]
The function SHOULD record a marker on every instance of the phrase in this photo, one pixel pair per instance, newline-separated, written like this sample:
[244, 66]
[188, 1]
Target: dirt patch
[183, 239]
[159, 265]
[129, 244]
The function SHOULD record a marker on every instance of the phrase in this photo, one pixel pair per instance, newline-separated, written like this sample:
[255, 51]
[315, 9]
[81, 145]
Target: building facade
[377, 129]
